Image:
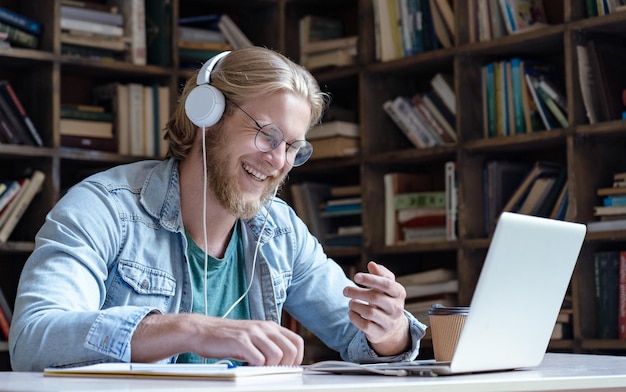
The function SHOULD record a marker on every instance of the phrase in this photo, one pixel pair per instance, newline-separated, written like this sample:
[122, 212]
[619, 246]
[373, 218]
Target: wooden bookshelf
[592, 153]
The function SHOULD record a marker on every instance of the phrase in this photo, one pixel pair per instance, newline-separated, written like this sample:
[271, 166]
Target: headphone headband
[204, 75]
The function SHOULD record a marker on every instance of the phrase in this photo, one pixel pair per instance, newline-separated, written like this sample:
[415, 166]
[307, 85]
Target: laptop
[515, 304]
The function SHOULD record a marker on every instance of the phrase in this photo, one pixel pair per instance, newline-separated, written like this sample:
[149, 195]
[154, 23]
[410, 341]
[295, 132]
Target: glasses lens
[299, 152]
[268, 138]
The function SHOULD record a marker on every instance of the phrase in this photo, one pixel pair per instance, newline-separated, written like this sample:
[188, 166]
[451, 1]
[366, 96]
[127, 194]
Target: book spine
[4, 324]
[91, 27]
[406, 112]
[23, 202]
[9, 193]
[622, 297]
[390, 110]
[15, 102]
[405, 201]
[90, 15]
[12, 121]
[19, 37]
[20, 21]
[451, 200]
[5, 307]
[606, 275]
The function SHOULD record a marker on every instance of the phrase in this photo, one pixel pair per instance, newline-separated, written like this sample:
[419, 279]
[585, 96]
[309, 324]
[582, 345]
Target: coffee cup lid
[439, 309]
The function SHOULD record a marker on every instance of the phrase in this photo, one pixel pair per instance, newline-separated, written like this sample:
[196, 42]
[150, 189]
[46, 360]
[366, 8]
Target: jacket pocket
[146, 280]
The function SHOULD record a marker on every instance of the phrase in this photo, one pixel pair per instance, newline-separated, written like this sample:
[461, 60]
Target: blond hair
[242, 75]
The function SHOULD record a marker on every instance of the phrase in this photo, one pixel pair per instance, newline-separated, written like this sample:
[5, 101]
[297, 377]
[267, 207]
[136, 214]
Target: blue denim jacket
[113, 250]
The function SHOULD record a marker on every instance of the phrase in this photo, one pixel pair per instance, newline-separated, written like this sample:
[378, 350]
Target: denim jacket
[113, 250]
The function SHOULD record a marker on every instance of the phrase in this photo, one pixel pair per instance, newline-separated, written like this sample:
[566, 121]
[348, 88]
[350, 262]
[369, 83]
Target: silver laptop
[515, 305]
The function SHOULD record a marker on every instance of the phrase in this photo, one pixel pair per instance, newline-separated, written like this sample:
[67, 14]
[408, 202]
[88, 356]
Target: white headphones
[205, 104]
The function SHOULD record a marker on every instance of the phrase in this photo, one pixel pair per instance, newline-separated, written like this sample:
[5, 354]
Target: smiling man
[193, 258]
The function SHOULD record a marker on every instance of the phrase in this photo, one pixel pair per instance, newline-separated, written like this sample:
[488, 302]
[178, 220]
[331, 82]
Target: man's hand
[253, 341]
[377, 308]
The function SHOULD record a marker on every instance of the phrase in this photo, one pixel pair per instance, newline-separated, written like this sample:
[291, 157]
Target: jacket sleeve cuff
[113, 329]
[361, 352]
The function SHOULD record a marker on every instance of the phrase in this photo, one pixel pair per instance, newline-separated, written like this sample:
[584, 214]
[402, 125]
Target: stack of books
[200, 38]
[203, 36]
[87, 126]
[334, 139]
[428, 118]
[425, 288]
[19, 29]
[15, 197]
[323, 43]
[95, 30]
[611, 214]
[16, 126]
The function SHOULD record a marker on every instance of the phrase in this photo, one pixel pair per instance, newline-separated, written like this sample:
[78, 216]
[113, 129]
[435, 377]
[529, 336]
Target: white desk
[558, 372]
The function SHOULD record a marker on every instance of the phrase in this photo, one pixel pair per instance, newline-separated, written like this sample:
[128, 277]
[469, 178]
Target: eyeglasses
[269, 137]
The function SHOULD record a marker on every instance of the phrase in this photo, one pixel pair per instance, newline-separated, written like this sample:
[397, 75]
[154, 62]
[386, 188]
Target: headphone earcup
[205, 105]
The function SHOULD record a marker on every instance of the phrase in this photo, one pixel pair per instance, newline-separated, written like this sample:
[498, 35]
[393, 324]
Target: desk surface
[558, 372]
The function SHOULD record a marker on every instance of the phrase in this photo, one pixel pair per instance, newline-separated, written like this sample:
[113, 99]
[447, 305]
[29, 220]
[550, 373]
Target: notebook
[515, 305]
[177, 370]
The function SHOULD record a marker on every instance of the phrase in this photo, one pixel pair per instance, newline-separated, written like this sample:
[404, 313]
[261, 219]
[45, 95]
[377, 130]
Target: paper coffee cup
[446, 323]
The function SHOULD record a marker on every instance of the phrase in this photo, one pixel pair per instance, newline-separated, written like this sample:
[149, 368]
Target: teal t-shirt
[226, 282]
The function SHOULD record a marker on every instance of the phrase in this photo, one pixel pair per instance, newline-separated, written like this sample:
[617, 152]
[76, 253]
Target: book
[23, 201]
[19, 37]
[5, 325]
[16, 106]
[12, 190]
[74, 127]
[159, 34]
[451, 201]
[539, 169]
[334, 147]
[116, 44]
[606, 55]
[536, 195]
[234, 36]
[333, 128]
[92, 15]
[444, 35]
[430, 289]
[309, 47]
[621, 299]
[521, 15]
[436, 275]
[134, 12]
[180, 370]
[115, 97]
[20, 21]
[442, 129]
[14, 201]
[89, 142]
[5, 306]
[307, 197]
[501, 179]
[587, 81]
[8, 133]
[91, 27]
[429, 199]
[402, 111]
[332, 58]
[606, 271]
[443, 85]
[395, 183]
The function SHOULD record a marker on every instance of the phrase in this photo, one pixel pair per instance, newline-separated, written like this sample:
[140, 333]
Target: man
[193, 257]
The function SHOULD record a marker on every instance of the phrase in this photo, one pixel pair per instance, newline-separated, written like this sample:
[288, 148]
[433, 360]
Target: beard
[225, 186]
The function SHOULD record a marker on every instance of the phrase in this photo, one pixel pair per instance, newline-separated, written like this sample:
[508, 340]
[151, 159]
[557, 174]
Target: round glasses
[269, 137]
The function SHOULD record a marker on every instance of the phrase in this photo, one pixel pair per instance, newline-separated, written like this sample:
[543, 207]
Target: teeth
[254, 173]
